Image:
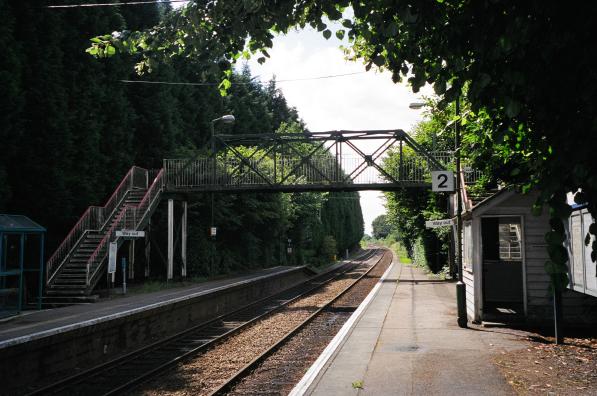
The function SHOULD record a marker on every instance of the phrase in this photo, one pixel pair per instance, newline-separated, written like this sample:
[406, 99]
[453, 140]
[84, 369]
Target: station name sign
[130, 234]
[439, 223]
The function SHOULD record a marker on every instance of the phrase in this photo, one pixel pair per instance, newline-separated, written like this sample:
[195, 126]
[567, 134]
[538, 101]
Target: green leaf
[557, 254]
[379, 60]
[327, 34]
[391, 29]
[554, 238]
[561, 210]
[580, 197]
[357, 384]
[439, 87]
[551, 268]
[556, 225]
[340, 34]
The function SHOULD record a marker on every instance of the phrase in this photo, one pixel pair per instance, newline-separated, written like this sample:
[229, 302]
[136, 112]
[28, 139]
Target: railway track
[342, 305]
[128, 371]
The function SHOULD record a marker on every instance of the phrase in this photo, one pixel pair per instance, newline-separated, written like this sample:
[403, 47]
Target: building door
[503, 292]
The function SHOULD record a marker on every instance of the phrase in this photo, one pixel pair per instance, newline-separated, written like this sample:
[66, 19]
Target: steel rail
[295, 292]
[240, 374]
[145, 376]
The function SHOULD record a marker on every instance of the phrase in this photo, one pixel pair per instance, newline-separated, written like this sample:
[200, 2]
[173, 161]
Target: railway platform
[47, 343]
[406, 342]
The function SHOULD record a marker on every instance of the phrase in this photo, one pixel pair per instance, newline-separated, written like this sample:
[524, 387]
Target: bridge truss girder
[309, 161]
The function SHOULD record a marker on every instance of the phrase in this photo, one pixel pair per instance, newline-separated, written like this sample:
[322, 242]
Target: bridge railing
[296, 170]
[305, 170]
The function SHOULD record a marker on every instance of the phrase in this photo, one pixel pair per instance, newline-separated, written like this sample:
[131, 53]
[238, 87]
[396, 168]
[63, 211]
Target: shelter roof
[18, 223]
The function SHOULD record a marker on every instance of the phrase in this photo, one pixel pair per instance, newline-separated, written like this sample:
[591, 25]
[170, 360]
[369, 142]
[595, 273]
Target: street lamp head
[417, 105]
[228, 119]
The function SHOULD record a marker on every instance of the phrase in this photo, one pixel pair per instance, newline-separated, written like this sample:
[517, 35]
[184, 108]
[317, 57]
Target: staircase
[75, 268]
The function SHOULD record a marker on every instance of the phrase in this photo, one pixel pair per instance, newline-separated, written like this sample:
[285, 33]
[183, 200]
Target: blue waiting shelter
[21, 256]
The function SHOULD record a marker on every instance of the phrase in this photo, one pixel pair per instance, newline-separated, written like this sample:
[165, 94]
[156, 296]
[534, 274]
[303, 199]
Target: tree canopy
[381, 227]
[527, 67]
[70, 130]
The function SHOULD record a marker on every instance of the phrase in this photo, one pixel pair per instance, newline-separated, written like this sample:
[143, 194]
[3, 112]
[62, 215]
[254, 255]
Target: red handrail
[94, 218]
[109, 234]
[156, 184]
[137, 211]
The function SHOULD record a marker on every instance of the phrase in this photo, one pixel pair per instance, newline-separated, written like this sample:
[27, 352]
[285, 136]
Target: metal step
[67, 283]
[67, 287]
[70, 285]
[77, 262]
[91, 245]
[71, 275]
[75, 270]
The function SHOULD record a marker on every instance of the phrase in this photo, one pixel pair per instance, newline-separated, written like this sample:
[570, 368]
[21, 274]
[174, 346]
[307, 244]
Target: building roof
[489, 197]
[18, 223]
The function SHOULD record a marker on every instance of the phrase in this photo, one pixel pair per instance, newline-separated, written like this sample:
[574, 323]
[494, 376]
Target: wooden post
[183, 243]
[170, 239]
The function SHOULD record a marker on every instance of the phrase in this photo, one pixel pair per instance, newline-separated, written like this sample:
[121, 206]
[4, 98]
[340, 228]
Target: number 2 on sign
[442, 181]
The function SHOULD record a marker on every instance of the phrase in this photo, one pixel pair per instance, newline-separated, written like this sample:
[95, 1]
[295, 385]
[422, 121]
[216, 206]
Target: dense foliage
[381, 227]
[409, 208]
[528, 65]
[70, 130]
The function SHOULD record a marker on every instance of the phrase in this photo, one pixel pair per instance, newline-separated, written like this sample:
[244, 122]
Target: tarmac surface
[407, 342]
[34, 324]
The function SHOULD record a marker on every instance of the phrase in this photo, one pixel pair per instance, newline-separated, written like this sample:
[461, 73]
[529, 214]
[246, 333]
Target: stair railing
[135, 178]
[126, 219]
[95, 218]
[150, 198]
[130, 218]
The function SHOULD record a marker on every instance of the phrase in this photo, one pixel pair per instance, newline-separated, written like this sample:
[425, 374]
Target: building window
[509, 234]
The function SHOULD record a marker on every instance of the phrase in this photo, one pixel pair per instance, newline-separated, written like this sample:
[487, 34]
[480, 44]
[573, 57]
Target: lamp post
[460, 286]
[225, 119]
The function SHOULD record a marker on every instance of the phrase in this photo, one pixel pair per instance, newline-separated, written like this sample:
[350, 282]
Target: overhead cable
[235, 83]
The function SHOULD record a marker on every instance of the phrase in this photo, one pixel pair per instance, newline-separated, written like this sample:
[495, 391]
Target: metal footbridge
[278, 162]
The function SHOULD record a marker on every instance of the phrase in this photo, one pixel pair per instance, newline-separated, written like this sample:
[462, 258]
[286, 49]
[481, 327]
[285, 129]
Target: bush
[427, 252]
[328, 247]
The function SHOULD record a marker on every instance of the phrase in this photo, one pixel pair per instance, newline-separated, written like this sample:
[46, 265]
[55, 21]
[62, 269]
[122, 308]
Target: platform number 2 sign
[442, 181]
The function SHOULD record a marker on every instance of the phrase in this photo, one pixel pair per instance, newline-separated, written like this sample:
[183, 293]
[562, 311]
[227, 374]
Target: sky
[368, 100]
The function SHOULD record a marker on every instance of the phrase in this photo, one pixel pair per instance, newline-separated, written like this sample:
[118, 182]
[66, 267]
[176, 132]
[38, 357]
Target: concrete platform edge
[316, 368]
[92, 322]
